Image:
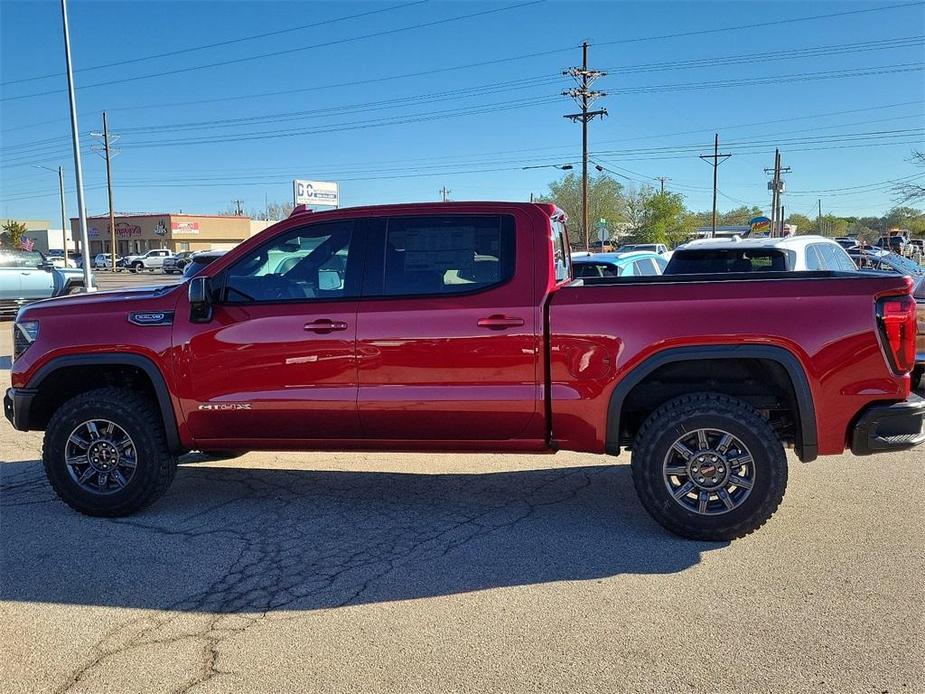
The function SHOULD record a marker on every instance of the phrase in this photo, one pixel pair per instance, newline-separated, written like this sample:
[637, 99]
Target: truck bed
[822, 320]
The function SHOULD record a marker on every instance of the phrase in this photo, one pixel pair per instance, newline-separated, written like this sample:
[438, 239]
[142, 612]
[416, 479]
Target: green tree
[666, 220]
[902, 217]
[739, 215]
[804, 224]
[605, 201]
[13, 232]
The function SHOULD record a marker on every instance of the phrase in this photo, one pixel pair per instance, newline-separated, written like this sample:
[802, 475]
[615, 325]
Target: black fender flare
[807, 440]
[165, 405]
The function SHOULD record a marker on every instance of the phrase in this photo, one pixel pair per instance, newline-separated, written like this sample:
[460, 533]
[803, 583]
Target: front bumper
[896, 427]
[16, 406]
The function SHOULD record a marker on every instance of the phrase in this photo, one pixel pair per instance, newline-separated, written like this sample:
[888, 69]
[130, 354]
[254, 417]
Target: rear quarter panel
[599, 334]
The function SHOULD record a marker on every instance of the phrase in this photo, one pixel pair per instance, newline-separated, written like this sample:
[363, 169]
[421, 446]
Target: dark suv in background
[199, 260]
[897, 244]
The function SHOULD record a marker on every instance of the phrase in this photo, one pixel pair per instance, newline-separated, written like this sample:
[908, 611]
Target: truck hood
[77, 302]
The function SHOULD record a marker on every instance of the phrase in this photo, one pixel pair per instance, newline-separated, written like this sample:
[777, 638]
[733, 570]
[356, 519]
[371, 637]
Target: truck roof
[792, 242]
[548, 208]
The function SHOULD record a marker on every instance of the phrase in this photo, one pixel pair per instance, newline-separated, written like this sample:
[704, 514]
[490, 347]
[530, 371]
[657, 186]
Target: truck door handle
[500, 322]
[325, 325]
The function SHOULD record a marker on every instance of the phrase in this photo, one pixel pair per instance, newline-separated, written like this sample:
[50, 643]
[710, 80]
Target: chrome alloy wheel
[100, 456]
[709, 471]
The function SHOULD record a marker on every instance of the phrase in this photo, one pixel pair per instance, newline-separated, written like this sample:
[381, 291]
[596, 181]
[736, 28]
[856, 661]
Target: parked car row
[157, 259]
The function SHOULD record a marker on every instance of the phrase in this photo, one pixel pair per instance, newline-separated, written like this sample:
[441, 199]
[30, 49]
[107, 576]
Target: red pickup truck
[459, 327]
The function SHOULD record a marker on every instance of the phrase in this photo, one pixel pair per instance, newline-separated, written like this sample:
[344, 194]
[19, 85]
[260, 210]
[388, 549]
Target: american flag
[27, 244]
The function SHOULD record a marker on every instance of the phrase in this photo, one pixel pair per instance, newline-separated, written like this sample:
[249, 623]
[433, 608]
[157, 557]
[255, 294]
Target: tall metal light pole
[78, 173]
[60, 173]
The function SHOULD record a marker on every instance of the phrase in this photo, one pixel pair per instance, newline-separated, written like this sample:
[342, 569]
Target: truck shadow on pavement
[244, 540]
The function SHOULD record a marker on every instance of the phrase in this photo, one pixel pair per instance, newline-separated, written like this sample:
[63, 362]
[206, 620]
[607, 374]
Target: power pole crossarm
[585, 96]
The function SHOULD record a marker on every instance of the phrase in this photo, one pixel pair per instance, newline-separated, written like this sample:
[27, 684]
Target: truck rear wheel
[709, 467]
[105, 452]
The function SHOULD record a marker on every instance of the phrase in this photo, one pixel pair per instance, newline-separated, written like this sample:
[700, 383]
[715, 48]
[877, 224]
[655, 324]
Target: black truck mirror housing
[200, 299]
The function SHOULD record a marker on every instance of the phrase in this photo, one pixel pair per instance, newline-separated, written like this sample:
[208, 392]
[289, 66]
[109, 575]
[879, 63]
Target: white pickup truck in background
[152, 260]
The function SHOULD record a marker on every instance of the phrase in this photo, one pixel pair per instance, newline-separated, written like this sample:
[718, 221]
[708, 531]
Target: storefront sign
[160, 229]
[124, 230]
[184, 227]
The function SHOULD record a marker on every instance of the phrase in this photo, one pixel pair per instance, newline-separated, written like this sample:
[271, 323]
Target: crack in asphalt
[264, 518]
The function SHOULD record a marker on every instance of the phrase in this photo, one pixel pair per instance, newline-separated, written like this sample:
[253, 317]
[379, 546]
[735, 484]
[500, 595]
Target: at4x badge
[226, 406]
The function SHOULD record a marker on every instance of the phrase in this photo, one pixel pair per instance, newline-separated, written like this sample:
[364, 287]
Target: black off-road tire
[709, 410]
[136, 415]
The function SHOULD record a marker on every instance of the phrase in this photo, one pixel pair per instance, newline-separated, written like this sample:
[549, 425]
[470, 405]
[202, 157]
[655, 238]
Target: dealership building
[136, 234]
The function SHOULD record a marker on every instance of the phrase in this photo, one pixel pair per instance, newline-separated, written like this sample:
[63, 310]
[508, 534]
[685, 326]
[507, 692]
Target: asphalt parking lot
[431, 573]
[106, 279]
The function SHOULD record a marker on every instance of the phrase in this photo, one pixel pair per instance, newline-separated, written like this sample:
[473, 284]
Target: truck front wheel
[709, 467]
[105, 452]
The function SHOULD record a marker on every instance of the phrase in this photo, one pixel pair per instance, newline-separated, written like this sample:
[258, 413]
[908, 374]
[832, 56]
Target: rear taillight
[896, 316]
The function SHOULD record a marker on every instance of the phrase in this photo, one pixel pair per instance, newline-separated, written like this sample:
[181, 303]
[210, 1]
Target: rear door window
[446, 254]
[561, 254]
[834, 258]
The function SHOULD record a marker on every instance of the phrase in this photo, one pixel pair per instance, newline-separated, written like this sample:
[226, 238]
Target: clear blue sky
[328, 112]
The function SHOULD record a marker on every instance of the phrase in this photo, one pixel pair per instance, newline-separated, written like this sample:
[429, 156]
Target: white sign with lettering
[315, 193]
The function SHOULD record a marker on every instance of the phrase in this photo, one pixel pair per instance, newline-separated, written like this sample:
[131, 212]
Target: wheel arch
[807, 437]
[101, 363]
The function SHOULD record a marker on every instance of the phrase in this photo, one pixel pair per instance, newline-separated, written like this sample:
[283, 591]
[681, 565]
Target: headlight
[24, 334]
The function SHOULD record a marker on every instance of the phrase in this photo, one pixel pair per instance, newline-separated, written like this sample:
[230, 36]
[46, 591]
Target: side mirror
[200, 299]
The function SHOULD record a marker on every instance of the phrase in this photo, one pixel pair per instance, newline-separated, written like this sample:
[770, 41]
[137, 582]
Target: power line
[774, 79]
[288, 51]
[376, 34]
[776, 22]
[789, 54]
[229, 42]
[525, 82]
[342, 84]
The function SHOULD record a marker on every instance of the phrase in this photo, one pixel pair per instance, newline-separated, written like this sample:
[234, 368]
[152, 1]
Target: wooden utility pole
[717, 159]
[108, 154]
[63, 213]
[776, 185]
[585, 96]
[112, 212]
[661, 180]
[444, 192]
